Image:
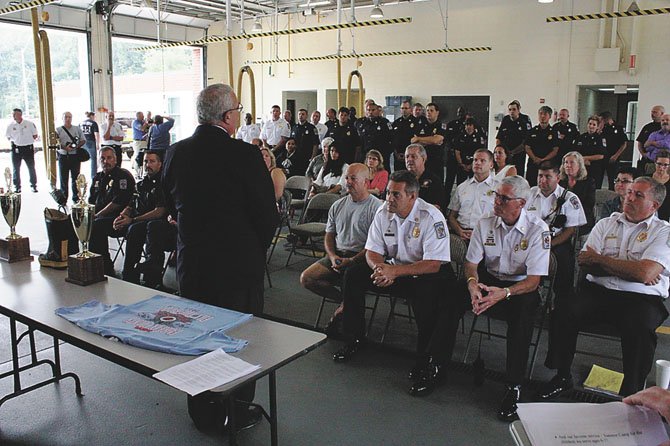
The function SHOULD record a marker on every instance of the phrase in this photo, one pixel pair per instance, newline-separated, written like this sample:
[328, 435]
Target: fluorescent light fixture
[611, 90]
[545, 1]
[198, 5]
[313, 4]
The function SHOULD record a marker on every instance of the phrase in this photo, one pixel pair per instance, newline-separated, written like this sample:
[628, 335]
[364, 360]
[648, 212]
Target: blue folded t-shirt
[161, 323]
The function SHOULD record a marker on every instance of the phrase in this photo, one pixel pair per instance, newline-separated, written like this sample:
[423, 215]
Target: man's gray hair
[213, 102]
[657, 189]
[327, 141]
[422, 150]
[407, 177]
[520, 187]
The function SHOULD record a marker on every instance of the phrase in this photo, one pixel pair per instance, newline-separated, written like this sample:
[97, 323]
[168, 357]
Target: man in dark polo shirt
[430, 186]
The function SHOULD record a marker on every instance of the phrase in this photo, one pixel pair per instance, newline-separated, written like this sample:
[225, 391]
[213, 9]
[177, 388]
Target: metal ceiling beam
[378, 54]
[607, 15]
[27, 5]
[286, 32]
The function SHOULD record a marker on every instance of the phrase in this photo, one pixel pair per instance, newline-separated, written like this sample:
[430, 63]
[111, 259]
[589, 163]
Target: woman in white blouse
[331, 176]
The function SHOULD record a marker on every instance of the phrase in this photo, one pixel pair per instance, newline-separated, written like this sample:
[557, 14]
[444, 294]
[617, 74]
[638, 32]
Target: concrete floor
[364, 402]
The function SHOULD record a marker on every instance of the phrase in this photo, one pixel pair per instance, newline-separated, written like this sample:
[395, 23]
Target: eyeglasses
[618, 181]
[505, 199]
[239, 108]
[663, 164]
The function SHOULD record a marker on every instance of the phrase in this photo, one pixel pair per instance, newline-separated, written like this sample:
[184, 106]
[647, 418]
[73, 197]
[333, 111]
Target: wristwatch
[508, 293]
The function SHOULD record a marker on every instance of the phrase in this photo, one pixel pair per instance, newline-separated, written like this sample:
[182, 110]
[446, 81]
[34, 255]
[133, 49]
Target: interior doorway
[477, 105]
[295, 100]
[621, 101]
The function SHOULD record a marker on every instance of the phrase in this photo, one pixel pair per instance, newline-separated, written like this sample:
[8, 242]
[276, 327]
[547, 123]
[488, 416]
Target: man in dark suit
[225, 222]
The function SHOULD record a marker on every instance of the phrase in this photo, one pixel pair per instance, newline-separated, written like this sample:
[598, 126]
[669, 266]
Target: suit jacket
[222, 194]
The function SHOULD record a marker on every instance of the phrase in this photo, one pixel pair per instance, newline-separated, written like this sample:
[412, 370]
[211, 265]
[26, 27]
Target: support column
[101, 61]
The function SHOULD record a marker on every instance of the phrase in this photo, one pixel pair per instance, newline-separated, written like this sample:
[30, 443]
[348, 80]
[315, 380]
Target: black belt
[22, 147]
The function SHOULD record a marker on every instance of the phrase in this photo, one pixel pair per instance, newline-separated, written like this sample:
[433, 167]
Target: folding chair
[299, 187]
[284, 220]
[546, 295]
[120, 241]
[458, 250]
[320, 203]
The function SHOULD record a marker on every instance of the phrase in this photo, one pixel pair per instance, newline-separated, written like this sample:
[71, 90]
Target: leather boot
[62, 239]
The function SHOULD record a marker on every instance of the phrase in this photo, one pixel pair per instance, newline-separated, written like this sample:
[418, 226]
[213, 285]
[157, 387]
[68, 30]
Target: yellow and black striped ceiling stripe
[608, 15]
[27, 5]
[377, 54]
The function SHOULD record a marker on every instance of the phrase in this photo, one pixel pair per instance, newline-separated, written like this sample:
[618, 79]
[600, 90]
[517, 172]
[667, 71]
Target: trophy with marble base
[85, 267]
[13, 248]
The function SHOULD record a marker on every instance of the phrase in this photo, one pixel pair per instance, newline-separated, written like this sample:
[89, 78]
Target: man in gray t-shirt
[349, 220]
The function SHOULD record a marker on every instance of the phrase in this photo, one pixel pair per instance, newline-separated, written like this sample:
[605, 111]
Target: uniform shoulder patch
[123, 184]
[546, 240]
[574, 201]
[444, 126]
[440, 231]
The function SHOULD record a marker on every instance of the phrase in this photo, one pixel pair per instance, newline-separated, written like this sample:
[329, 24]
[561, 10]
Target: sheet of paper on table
[610, 424]
[205, 372]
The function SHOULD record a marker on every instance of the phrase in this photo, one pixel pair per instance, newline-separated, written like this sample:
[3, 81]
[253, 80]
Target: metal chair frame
[547, 296]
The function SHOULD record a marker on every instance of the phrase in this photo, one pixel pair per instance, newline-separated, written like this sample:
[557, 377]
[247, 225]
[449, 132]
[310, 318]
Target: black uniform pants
[119, 154]
[103, 228]
[531, 173]
[636, 316]
[161, 237]
[597, 171]
[519, 161]
[69, 165]
[27, 154]
[429, 300]
[136, 233]
[435, 162]
[563, 288]
[519, 313]
[452, 172]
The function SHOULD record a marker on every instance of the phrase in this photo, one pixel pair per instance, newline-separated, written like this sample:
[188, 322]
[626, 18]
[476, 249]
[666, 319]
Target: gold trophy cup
[85, 267]
[13, 248]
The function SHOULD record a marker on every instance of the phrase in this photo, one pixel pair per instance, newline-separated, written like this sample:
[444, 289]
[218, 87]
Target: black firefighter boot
[62, 239]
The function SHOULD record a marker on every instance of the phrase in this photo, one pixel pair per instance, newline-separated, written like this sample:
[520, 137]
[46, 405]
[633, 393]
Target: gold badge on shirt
[416, 232]
[642, 237]
[523, 245]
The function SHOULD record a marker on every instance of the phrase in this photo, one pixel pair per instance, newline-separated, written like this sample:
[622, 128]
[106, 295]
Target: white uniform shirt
[322, 129]
[65, 140]
[21, 134]
[474, 201]
[544, 208]
[616, 237]
[423, 235]
[116, 130]
[248, 132]
[274, 130]
[511, 253]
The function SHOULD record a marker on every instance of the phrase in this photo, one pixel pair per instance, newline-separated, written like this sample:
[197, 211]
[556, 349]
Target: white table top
[31, 295]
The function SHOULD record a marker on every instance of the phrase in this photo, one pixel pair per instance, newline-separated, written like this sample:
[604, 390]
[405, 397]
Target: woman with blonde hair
[277, 175]
[574, 178]
[378, 177]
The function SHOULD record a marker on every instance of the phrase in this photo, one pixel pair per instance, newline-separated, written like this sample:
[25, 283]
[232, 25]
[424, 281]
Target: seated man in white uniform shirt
[407, 255]
[627, 260]
[507, 256]
[473, 199]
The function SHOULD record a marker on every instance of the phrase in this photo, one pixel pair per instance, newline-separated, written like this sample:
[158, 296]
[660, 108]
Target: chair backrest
[322, 202]
[458, 249]
[547, 285]
[285, 205]
[298, 182]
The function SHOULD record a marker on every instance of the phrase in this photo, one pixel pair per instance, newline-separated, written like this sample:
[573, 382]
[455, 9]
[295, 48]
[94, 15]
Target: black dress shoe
[432, 376]
[348, 351]
[34, 188]
[508, 406]
[555, 387]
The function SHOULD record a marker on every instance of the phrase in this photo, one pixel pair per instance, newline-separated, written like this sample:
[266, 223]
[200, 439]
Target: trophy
[13, 248]
[85, 267]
